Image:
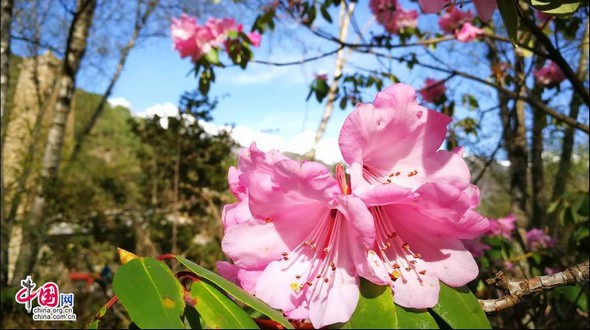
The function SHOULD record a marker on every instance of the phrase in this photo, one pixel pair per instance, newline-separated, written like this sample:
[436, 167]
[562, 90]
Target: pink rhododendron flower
[255, 38]
[552, 270]
[420, 197]
[476, 247]
[392, 16]
[549, 75]
[454, 19]
[194, 40]
[485, 8]
[468, 33]
[219, 28]
[183, 31]
[433, 90]
[301, 243]
[537, 239]
[503, 226]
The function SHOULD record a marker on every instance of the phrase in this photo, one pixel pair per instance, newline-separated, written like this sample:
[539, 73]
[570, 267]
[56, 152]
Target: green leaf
[325, 13]
[415, 319]
[212, 56]
[556, 7]
[459, 308]
[509, 14]
[192, 318]
[93, 325]
[150, 293]
[218, 311]
[237, 292]
[376, 310]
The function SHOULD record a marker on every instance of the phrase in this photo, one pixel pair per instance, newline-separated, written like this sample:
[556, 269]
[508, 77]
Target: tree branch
[556, 57]
[305, 60]
[517, 288]
[513, 95]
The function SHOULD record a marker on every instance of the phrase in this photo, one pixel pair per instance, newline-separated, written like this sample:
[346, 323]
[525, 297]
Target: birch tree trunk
[331, 97]
[34, 226]
[6, 19]
[140, 22]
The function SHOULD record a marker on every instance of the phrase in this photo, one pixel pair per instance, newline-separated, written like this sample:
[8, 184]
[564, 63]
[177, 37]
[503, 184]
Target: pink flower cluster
[300, 238]
[193, 40]
[536, 239]
[392, 16]
[502, 226]
[459, 22]
[549, 75]
[433, 90]
[485, 8]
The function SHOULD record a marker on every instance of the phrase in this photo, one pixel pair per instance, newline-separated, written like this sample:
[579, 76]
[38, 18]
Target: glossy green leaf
[192, 318]
[218, 311]
[556, 7]
[376, 310]
[93, 324]
[459, 308]
[415, 319]
[509, 14]
[237, 292]
[150, 293]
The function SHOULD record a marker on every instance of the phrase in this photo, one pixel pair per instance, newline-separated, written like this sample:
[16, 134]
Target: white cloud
[327, 151]
[162, 110]
[120, 101]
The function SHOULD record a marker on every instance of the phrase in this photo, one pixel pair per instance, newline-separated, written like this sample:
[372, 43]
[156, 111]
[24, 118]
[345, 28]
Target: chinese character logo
[47, 295]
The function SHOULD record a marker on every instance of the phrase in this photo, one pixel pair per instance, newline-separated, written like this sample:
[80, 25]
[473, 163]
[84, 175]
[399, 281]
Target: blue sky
[267, 103]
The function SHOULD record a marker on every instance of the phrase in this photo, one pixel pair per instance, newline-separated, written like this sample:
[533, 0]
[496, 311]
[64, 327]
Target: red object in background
[88, 277]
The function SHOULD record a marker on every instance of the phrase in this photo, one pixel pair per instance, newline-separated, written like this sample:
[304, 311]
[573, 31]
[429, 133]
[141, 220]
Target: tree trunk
[34, 226]
[539, 198]
[568, 138]
[6, 19]
[517, 148]
[140, 21]
[340, 60]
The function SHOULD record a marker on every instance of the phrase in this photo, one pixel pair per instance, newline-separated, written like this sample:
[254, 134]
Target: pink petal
[278, 286]
[247, 278]
[301, 312]
[227, 270]
[359, 218]
[235, 213]
[432, 6]
[233, 180]
[271, 239]
[485, 8]
[445, 257]
[397, 125]
[334, 301]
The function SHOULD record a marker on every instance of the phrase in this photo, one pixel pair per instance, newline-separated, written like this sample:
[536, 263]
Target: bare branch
[556, 57]
[305, 60]
[517, 288]
[529, 99]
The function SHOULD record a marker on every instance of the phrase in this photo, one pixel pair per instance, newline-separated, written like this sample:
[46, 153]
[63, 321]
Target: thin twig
[557, 58]
[529, 99]
[305, 60]
[516, 288]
